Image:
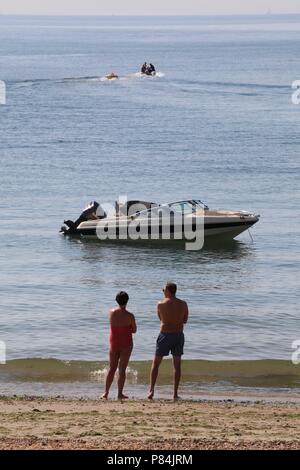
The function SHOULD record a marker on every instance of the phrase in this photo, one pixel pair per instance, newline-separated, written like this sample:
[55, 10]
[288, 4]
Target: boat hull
[214, 229]
[189, 221]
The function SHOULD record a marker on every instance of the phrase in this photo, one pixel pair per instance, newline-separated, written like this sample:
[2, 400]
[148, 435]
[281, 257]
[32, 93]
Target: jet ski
[148, 70]
[149, 73]
[111, 76]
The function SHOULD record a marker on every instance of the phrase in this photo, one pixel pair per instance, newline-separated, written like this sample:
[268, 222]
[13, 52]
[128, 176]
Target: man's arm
[186, 313]
[158, 311]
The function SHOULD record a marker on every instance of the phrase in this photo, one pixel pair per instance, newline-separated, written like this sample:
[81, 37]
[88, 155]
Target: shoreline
[257, 379]
[165, 395]
[59, 423]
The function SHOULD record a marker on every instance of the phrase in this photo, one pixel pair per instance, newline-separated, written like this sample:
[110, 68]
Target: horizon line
[267, 14]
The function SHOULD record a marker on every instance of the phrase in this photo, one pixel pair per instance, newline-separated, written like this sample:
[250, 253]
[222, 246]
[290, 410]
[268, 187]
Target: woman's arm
[133, 324]
[110, 315]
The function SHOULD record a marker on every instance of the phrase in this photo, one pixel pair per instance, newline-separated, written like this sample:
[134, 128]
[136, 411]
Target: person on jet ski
[144, 68]
[151, 68]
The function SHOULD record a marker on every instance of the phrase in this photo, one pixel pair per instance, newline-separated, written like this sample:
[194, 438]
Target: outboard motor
[84, 216]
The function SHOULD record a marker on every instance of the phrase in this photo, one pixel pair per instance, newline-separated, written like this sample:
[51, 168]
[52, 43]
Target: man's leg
[177, 374]
[123, 363]
[154, 373]
[113, 364]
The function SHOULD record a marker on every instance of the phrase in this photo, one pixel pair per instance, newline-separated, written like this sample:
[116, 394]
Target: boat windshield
[184, 207]
[181, 207]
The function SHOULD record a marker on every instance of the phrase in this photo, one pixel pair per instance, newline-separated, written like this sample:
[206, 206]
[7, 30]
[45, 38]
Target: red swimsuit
[120, 337]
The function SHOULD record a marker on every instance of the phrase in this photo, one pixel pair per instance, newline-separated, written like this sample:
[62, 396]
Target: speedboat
[180, 220]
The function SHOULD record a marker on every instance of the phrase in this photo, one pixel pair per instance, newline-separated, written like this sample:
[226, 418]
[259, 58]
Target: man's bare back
[173, 314]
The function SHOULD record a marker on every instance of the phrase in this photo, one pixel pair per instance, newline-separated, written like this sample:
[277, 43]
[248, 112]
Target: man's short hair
[122, 298]
[172, 287]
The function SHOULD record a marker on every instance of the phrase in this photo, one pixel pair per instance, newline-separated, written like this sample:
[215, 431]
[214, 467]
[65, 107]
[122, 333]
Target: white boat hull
[162, 222]
[228, 229]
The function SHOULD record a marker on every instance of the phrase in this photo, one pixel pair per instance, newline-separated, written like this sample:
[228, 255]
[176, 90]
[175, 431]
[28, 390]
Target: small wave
[264, 373]
[100, 375]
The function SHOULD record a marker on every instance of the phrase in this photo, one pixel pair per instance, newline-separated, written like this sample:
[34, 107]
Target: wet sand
[43, 423]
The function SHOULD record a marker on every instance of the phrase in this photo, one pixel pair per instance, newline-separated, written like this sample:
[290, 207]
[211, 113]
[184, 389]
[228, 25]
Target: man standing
[173, 314]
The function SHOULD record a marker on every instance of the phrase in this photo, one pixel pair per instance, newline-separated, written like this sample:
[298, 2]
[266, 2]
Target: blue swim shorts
[167, 342]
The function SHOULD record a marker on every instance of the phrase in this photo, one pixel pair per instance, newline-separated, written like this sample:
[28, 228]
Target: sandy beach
[42, 423]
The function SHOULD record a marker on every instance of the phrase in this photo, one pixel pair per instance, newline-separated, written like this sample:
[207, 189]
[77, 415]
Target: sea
[217, 123]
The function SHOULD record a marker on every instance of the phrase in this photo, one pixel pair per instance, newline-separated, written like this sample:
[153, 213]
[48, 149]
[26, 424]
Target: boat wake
[142, 75]
[236, 88]
[186, 84]
[87, 79]
[53, 81]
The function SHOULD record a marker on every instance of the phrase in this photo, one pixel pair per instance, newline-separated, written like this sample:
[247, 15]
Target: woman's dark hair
[122, 298]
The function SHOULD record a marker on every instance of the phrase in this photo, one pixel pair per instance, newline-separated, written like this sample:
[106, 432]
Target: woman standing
[122, 326]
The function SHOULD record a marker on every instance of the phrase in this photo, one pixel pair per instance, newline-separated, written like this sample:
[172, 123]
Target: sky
[147, 7]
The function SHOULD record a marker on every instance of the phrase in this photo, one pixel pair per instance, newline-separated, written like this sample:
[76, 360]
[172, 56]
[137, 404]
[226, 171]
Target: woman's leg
[123, 363]
[113, 364]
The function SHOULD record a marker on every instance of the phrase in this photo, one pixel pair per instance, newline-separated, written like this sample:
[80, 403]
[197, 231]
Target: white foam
[100, 375]
[144, 76]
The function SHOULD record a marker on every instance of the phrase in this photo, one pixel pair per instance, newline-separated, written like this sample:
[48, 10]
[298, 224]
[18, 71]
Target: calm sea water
[216, 124]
